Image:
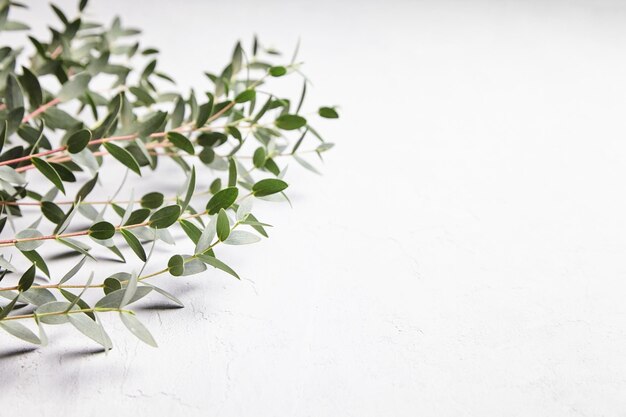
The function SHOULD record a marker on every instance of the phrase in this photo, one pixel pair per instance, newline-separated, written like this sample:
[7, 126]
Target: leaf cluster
[57, 132]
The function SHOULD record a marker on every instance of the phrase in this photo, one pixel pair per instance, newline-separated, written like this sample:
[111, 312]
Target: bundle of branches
[57, 130]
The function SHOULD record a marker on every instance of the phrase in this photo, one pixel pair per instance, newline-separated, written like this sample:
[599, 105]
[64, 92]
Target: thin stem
[41, 109]
[141, 278]
[61, 313]
[90, 203]
[13, 242]
[109, 139]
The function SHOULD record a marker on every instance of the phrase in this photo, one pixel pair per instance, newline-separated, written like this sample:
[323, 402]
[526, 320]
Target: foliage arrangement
[57, 129]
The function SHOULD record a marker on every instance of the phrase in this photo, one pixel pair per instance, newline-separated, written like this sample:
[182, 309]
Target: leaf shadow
[9, 354]
[165, 305]
[83, 352]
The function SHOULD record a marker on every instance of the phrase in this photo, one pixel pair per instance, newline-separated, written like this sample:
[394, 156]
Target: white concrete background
[463, 255]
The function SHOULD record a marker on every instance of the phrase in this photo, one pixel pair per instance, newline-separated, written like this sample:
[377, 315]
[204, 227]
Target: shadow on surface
[16, 352]
[83, 352]
[165, 305]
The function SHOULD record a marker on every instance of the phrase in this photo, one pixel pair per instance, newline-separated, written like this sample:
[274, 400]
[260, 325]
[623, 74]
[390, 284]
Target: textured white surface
[462, 255]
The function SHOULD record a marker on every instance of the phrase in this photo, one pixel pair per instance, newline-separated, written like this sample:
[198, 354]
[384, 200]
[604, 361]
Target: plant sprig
[56, 128]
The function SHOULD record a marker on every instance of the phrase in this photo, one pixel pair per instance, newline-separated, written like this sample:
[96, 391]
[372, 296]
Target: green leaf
[44, 311]
[206, 238]
[3, 135]
[123, 156]
[142, 95]
[191, 187]
[134, 244]
[86, 188]
[258, 159]
[102, 230]
[232, 172]
[152, 200]
[27, 279]
[111, 284]
[191, 230]
[240, 237]
[204, 111]
[137, 328]
[29, 245]
[20, 331]
[306, 165]
[181, 142]
[278, 71]
[328, 113]
[137, 216]
[223, 225]
[216, 263]
[268, 187]
[165, 217]
[290, 122]
[75, 87]
[129, 291]
[33, 89]
[212, 139]
[207, 155]
[52, 212]
[91, 329]
[245, 96]
[8, 308]
[78, 141]
[152, 124]
[176, 265]
[49, 172]
[114, 298]
[13, 97]
[222, 199]
[36, 258]
[72, 272]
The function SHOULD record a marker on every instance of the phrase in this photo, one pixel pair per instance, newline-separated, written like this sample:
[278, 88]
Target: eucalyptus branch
[43, 129]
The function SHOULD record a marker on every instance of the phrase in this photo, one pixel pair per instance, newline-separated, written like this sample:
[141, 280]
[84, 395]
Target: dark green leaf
[111, 284]
[258, 159]
[212, 139]
[165, 217]
[36, 258]
[152, 200]
[191, 230]
[204, 111]
[223, 226]
[176, 265]
[123, 156]
[102, 230]
[328, 113]
[137, 216]
[78, 141]
[245, 96]
[290, 122]
[222, 199]
[181, 142]
[33, 88]
[278, 71]
[13, 97]
[27, 279]
[268, 187]
[134, 244]
[49, 172]
[86, 188]
[52, 212]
